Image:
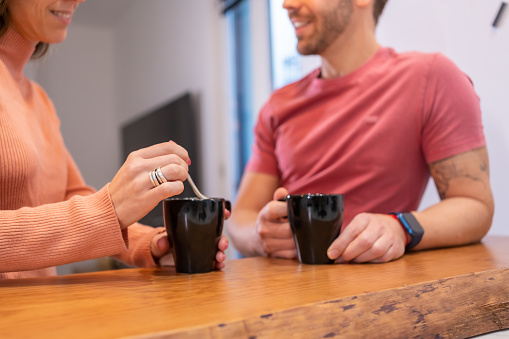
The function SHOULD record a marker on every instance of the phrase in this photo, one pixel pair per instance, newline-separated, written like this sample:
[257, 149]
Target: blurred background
[132, 73]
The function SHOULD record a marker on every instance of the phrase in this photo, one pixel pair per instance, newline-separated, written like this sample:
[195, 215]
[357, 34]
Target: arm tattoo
[444, 171]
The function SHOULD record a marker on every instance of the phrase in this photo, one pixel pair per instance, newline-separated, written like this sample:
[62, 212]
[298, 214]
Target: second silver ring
[153, 178]
[159, 175]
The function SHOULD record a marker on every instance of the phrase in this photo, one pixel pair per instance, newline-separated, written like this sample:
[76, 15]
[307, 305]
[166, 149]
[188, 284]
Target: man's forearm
[454, 221]
[242, 229]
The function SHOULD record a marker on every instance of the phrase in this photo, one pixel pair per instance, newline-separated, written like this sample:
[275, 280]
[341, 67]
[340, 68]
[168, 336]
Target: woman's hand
[161, 251]
[132, 192]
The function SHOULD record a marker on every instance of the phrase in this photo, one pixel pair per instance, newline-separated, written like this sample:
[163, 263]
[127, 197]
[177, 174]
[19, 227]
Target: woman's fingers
[164, 149]
[140, 184]
[170, 173]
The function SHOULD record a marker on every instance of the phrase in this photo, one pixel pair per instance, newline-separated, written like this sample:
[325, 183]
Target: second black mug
[315, 220]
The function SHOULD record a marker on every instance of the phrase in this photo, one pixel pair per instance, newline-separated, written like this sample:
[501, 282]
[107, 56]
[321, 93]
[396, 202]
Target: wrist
[407, 236]
[412, 228]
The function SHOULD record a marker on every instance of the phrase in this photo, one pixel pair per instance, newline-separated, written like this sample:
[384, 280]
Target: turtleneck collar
[15, 52]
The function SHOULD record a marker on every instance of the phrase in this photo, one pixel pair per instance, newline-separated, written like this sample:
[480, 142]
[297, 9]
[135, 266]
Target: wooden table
[445, 293]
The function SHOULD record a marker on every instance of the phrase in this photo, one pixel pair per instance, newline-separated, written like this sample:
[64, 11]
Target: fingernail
[189, 162]
[160, 243]
[332, 254]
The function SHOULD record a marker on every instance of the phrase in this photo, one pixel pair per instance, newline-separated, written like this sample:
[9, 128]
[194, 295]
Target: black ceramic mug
[315, 220]
[194, 227]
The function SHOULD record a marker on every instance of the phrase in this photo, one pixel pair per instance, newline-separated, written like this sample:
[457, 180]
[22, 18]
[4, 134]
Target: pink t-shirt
[371, 134]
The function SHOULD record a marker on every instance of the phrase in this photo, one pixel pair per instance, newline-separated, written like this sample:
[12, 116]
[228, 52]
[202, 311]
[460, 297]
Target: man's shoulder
[297, 86]
[420, 59]
[409, 58]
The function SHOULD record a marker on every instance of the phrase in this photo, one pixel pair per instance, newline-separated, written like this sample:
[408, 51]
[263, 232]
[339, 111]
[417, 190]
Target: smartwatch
[412, 227]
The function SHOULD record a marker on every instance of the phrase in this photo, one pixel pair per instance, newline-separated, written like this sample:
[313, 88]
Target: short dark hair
[40, 49]
[378, 9]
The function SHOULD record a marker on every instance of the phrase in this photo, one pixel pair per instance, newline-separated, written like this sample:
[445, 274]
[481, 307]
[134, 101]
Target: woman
[48, 216]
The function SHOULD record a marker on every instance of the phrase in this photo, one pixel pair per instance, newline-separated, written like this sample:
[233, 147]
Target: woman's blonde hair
[40, 49]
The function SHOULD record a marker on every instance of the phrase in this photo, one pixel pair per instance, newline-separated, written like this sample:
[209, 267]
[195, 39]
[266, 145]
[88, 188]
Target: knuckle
[173, 147]
[385, 258]
[365, 242]
[378, 250]
[172, 188]
[134, 164]
[262, 231]
[133, 156]
[274, 210]
[185, 153]
[176, 172]
[271, 209]
[363, 218]
[173, 158]
[137, 167]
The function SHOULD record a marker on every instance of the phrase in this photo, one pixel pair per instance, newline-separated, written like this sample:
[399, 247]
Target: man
[372, 124]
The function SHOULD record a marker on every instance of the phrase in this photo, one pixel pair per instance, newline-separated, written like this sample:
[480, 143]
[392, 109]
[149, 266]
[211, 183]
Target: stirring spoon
[195, 189]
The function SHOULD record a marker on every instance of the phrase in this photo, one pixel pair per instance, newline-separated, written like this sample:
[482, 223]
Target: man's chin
[305, 50]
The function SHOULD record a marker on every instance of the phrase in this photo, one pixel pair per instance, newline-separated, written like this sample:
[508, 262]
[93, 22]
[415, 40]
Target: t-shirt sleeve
[263, 157]
[451, 117]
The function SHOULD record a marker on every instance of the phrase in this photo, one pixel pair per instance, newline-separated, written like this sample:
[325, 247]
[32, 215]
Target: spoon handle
[195, 189]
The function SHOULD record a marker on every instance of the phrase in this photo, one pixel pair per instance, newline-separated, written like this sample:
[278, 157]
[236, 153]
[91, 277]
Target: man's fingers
[274, 211]
[347, 235]
[275, 230]
[374, 252]
[273, 246]
[280, 193]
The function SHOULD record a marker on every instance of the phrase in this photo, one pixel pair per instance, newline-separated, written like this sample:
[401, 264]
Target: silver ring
[159, 175]
[153, 179]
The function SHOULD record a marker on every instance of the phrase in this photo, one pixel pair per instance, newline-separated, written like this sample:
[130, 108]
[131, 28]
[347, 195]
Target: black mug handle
[283, 200]
[228, 205]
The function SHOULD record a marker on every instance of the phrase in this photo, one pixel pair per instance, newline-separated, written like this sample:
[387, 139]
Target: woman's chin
[55, 38]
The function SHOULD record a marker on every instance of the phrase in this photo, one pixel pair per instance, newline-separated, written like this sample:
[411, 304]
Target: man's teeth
[298, 24]
[63, 15]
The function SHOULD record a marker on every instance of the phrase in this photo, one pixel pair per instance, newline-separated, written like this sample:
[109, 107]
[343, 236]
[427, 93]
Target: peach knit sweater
[48, 215]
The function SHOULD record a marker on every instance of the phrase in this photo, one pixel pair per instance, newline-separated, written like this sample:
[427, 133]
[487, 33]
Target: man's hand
[273, 230]
[369, 238]
[161, 251]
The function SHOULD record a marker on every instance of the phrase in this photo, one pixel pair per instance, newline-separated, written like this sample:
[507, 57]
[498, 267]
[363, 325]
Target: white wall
[78, 77]
[164, 49]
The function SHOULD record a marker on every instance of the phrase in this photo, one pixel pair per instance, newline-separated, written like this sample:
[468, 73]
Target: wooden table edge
[420, 310]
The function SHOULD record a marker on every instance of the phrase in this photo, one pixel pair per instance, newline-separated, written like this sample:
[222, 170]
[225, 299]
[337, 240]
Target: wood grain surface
[449, 293]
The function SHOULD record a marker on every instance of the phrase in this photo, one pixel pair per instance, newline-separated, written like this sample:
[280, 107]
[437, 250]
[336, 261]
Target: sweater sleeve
[139, 236]
[81, 228]
[139, 254]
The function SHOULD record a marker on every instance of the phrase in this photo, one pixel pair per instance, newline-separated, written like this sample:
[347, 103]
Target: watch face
[414, 228]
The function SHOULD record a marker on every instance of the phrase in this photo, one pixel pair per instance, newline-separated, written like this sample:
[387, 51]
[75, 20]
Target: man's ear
[364, 3]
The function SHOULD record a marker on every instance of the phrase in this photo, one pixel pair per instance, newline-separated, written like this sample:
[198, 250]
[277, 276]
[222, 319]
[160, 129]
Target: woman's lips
[63, 16]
